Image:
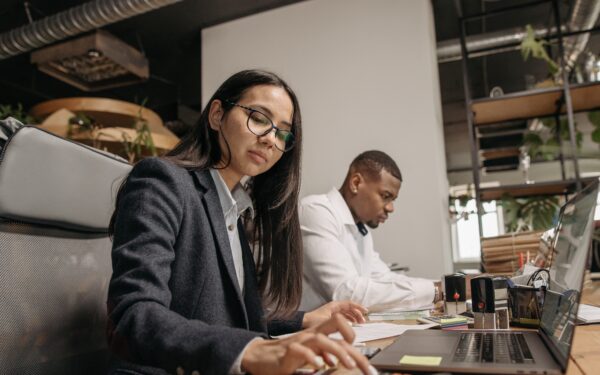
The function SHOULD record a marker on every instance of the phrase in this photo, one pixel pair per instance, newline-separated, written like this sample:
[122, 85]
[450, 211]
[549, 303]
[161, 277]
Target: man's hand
[279, 357]
[354, 312]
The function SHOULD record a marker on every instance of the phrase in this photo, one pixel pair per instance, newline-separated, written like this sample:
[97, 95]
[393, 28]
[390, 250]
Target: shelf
[529, 190]
[534, 103]
[106, 111]
[113, 128]
[497, 153]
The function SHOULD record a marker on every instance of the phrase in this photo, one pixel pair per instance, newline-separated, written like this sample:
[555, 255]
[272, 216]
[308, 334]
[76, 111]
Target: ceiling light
[93, 62]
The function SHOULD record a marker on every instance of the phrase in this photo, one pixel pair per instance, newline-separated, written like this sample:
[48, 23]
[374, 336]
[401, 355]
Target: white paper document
[376, 331]
[588, 314]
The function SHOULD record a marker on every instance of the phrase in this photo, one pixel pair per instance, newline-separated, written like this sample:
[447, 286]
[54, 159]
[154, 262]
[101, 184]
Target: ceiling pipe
[449, 50]
[584, 15]
[73, 21]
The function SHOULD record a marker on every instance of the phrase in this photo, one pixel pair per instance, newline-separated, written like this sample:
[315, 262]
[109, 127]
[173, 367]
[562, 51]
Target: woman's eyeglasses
[260, 124]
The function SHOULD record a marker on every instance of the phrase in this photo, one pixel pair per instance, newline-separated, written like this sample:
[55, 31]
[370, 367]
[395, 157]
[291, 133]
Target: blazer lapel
[215, 215]
[251, 293]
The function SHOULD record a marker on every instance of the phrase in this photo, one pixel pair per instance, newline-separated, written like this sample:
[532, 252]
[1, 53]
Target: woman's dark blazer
[173, 299]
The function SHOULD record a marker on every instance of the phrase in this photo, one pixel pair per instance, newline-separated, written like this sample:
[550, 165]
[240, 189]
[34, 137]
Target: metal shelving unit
[555, 101]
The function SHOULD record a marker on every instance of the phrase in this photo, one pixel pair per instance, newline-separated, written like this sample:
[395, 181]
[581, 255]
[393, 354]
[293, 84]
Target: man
[339, 259]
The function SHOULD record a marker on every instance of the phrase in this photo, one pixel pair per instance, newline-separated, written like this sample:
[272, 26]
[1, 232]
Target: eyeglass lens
[261, 125]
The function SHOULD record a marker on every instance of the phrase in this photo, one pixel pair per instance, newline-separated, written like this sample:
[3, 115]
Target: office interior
[382, 75]
[377, 74]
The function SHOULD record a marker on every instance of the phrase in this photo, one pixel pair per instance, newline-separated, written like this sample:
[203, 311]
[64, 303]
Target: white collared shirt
[233, 203]
[340, 263]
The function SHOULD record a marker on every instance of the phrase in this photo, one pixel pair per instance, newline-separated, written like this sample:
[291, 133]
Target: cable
[534, 277]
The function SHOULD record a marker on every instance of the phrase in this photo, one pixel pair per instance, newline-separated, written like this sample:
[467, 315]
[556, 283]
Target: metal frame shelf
[554, 101]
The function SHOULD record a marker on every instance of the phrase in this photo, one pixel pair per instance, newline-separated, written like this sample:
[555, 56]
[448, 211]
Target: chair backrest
[56, 198]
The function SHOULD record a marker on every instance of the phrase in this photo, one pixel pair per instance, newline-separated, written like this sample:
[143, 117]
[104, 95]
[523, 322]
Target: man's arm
[425, 292]
[329, 268]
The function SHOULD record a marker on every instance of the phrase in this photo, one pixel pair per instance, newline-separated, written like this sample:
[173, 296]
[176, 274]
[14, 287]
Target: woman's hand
[309, 347]
[350, 310]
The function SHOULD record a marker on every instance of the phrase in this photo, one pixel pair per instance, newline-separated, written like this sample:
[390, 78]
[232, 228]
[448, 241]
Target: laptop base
[443, 344]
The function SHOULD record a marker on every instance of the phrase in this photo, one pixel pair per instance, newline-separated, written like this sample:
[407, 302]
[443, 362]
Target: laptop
[513, 352]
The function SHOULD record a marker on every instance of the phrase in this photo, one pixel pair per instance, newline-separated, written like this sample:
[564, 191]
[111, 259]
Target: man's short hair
[370, 163]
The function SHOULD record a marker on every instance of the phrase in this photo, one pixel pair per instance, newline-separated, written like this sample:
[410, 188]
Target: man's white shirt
[340, 263]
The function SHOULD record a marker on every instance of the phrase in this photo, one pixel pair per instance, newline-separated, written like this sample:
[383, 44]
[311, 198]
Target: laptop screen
[567, 270]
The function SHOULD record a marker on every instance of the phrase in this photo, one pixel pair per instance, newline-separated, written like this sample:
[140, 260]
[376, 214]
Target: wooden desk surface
[585, 354]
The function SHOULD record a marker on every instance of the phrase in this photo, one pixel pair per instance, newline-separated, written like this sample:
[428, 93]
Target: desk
[585, 354]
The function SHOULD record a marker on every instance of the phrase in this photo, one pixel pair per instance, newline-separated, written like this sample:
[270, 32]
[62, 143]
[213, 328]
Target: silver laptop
[512, 352]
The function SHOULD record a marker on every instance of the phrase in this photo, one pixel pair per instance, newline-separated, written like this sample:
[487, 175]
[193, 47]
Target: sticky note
[420, 360]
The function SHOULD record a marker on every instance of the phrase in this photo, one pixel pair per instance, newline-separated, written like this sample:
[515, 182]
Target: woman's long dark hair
[275, 228]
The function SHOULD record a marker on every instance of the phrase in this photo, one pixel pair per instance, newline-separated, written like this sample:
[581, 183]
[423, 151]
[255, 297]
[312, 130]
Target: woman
[185, 295]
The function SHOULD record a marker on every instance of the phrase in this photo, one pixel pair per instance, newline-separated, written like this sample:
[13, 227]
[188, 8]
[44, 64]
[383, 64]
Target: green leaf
[548, 122]
[535, 213]
[596, 135]
[533, 139]
[530, 45]
[594, 117]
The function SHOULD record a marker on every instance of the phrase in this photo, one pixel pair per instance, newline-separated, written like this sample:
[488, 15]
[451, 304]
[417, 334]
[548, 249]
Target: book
[399, 315]
[448, 321]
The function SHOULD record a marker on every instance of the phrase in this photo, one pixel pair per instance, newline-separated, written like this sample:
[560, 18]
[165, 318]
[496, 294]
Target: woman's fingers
[337, 323]
[354, 315]
[357, 306]
[323, 345]
[298, 355]
[353, 311]
[347, 355]
[361, 361]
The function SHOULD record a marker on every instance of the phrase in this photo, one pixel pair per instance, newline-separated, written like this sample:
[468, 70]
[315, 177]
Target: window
[597, 213]
[465, 229]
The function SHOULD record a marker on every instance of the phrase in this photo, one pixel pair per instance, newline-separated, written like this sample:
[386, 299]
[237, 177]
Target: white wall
[365, 73]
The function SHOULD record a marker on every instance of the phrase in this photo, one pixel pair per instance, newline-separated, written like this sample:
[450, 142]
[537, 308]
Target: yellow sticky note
[420, 360]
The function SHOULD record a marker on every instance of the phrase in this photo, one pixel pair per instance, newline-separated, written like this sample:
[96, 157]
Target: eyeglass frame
[268, 118]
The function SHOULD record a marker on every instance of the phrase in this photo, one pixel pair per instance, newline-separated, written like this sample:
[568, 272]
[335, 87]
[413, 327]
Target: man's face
[374, 199]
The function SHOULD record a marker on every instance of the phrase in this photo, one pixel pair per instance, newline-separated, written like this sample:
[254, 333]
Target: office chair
[56, 198]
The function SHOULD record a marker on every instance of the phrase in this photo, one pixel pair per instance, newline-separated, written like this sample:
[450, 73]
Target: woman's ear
[215, 114]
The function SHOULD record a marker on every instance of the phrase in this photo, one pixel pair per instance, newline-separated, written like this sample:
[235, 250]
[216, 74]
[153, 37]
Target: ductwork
[449, 50]
[73, 21]
[584, 16]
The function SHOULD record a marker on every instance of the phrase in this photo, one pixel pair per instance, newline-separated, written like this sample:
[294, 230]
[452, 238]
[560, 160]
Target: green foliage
[143, 139]
[524, 214]
[594, 117]
[79, 123]
[133, 148]
[535, 47]
[543, 143]
[7, 110]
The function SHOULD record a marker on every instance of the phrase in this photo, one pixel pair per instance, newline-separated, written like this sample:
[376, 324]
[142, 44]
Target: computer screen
[569, 261]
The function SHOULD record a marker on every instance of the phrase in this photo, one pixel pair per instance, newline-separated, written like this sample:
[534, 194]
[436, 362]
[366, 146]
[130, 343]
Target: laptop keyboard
[492, 348]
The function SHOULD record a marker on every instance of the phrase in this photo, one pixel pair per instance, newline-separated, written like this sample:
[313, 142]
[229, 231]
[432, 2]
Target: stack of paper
[399, 315]
[376, 331]
[454, 323]
[588, 314]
